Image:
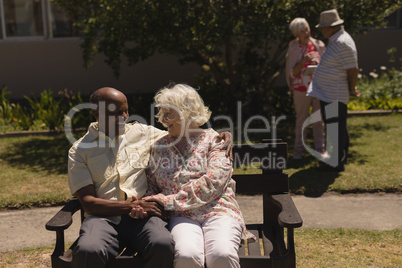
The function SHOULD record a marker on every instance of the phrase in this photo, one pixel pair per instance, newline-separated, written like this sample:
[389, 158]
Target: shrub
[379, 91]
[5, 108]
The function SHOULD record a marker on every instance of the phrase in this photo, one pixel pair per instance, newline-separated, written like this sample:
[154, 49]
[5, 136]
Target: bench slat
[254, 247]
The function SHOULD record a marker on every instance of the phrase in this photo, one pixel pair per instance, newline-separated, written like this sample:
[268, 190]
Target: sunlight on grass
[33, 171]
[315, 248]
[35, 257]
[373, 163]
[348, 248]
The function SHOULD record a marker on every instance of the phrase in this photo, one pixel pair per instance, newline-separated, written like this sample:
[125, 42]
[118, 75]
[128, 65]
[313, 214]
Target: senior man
[334, 81]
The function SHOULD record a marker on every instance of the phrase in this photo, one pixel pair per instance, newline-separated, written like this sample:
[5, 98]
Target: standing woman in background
[303, 51]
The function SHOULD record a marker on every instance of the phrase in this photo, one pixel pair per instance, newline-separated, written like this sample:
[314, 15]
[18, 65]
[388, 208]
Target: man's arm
[102, 207]
[352, 80]
[228, 145]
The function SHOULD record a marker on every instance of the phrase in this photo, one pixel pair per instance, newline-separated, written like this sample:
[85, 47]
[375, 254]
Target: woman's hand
[312, 56]
[138, 213]
[159, 198]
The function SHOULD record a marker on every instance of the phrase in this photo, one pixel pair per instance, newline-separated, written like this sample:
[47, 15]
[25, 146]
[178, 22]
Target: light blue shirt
[330, 82]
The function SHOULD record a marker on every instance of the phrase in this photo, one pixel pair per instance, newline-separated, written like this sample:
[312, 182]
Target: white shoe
[325, 156]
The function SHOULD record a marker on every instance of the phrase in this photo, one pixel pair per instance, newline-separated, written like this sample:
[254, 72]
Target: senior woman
[303, 51]
[190, 176]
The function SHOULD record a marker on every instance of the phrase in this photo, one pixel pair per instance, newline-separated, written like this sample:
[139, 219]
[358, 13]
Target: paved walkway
[26, 228]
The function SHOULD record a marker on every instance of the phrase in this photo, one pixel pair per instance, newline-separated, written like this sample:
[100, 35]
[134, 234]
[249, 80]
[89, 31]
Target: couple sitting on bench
[167, 195]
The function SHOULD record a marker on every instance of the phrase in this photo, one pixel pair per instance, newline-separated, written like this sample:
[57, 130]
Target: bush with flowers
[379, 90]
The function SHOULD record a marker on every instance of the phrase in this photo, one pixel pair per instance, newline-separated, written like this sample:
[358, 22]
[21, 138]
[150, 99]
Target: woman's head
[180, 105]
[300, 29]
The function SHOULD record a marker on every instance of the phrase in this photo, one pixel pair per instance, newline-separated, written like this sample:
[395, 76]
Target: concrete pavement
[26, 228]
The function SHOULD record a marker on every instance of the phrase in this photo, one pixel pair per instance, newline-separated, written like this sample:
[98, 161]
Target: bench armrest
[64, 218]
[289, 217]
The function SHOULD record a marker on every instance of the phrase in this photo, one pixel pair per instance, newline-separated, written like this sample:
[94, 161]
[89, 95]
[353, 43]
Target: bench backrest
[271, 157]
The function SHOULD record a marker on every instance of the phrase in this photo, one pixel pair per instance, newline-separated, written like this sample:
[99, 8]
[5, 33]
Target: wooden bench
[274, 247]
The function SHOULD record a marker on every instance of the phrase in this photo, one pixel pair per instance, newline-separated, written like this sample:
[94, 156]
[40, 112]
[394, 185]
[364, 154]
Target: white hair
[186, 101]
[297, 25]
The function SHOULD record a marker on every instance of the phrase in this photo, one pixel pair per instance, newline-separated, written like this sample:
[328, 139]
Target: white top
[115, 167]
[330, 82]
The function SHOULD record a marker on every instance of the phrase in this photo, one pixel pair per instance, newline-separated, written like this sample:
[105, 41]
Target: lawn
[315, 248]
[374, 162]
[33, 169]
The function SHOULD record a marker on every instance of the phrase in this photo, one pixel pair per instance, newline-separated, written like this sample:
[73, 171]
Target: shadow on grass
[356, 131]
[39, 154]
[311, 182]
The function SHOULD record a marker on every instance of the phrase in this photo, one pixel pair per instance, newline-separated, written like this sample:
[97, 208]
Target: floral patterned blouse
[197, 184]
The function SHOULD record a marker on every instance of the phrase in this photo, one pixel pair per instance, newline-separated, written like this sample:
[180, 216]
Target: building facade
[39, 49]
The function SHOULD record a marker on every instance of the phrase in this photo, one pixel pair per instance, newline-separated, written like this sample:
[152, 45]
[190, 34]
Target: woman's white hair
[186, 101]
[297, 25]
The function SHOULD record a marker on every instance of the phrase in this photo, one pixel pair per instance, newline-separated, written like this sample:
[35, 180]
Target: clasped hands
[148, 206]
[311, 56]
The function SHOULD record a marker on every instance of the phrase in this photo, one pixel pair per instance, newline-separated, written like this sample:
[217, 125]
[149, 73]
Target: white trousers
[214, 241]
[302, 106]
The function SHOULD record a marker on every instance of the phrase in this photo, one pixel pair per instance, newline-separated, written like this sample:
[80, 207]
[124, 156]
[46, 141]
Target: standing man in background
[334, 81]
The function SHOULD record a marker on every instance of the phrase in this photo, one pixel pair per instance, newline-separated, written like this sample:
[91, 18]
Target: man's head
[112, 110]
[330, 23]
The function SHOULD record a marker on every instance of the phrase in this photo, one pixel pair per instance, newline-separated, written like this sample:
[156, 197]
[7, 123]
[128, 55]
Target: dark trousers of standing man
[342, 136]
[100, 241]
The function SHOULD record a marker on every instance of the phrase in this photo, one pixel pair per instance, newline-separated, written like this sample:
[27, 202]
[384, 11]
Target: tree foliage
[240, 44]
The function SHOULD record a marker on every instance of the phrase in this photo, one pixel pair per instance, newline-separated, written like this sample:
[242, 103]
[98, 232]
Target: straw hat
[329, 18]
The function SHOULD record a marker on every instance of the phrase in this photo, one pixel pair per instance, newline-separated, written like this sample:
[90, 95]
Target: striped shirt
[330, 82]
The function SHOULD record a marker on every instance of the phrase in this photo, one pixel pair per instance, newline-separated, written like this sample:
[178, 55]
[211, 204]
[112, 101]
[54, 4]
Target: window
[34, 19]
[62, 24]
[23, 17]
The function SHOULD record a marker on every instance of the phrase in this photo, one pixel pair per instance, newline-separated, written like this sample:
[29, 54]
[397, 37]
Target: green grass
[348, 248]
[34, 169]
[374, 163]
[314, 248]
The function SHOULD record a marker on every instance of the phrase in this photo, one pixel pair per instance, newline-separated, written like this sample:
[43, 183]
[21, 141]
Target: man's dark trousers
[342, 136]
[100, 241]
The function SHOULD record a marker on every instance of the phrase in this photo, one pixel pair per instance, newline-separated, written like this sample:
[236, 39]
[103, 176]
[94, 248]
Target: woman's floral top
[197, 184]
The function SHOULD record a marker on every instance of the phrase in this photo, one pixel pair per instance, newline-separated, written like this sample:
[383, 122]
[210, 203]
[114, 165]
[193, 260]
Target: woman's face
[171, 120]
[304, 34]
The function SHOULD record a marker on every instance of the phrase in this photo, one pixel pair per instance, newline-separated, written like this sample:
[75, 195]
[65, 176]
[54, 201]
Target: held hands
[144, 208]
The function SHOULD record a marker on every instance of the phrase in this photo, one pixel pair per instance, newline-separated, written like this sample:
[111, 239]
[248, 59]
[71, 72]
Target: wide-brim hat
[329, 18]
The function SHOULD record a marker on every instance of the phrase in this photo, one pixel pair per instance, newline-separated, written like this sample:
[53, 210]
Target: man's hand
[147, 207]
[137, 212]
[228, 145]
[354, 93]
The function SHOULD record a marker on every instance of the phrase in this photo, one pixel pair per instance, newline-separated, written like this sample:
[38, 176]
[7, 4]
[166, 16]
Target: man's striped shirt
[330, 82]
